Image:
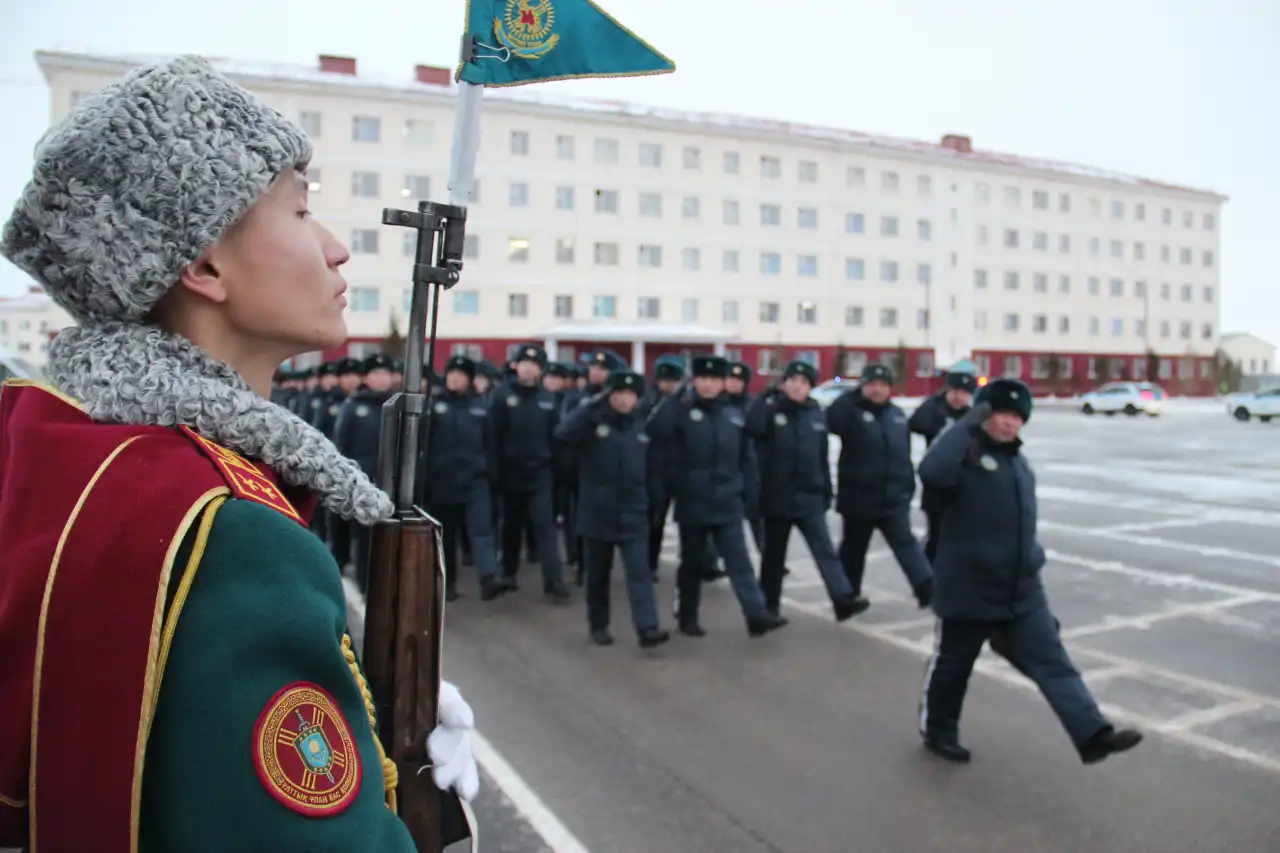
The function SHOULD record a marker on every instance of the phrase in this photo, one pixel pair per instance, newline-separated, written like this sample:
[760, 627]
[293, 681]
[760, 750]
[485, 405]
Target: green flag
[545, 40]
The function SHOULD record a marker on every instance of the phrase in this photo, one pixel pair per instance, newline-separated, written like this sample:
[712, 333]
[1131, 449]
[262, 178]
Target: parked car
[1131, 398]
[1264, 405]
[828, 391]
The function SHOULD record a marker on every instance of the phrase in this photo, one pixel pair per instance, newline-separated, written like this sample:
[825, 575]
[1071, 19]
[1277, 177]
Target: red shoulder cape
[91, 519]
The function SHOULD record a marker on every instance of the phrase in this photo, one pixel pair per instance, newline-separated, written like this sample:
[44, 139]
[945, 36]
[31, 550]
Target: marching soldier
[876, 481]
[988, 580]
[933, 417]
[357, 434]
[484, 379]
[795, 485]
[668, 375]
[455, 473]
[347, 374]
[522, 420]
[715, 484]
[558, 381]
[158, 442]
[610, 441]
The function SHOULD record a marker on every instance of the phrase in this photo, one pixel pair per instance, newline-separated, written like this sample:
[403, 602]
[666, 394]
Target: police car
[828, 392]
[1131, 398]
[1263, 405]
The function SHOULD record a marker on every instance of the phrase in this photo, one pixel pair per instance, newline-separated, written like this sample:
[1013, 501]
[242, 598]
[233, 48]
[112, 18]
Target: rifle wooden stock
[403, 632]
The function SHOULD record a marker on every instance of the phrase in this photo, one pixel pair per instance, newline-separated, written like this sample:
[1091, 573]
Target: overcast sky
[1184, 91]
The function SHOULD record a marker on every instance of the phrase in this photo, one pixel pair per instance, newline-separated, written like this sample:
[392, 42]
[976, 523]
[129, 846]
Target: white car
[1264, 405]
[828, 391]
[1131, 398]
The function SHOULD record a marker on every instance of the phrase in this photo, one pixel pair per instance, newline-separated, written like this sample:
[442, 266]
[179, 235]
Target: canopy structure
[637, 334]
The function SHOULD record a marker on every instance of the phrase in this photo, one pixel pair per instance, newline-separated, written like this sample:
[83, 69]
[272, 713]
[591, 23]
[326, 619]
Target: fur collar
[142, 375]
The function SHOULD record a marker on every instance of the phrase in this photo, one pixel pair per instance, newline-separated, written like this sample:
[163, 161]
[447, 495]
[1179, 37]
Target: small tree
[1102, 368]
[901, 361]
[1053, 368]
[841, 352]
[1153, 365]
[393, 343]
[1226, 373]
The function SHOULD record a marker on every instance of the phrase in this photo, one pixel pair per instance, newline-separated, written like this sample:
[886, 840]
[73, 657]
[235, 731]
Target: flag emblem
[527, 28]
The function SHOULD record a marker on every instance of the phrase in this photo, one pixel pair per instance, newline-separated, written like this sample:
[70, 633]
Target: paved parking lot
[1163, 536]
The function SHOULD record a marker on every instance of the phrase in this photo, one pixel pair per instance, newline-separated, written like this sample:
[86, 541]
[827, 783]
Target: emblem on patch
[334, 409]
[304, 752]
[513, 401]
[442, 408]
[526, 28]
[362, 411]
[602, 431]
[868, 417]
[988, 462]
[696, 415]
[780, 419]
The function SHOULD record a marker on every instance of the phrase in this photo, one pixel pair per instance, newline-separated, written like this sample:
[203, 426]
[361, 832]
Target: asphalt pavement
[1164, 570]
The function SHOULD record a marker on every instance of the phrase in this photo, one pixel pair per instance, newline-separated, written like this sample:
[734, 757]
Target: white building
[27, 323]
[664, 231]
[1255, 356]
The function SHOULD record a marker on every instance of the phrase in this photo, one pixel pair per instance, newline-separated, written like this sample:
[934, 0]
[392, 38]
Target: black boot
[762, 625]
[692, 629]
[948, 750]
[847, 608]
[492, 586]
[557, 592]
[451, 593]
[601, 637]
[1108, 742]
[651, 637]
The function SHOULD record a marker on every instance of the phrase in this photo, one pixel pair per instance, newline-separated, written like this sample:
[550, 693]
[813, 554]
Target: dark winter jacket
[875, 475]
[612, 458]
[455, 465]
[359, 427]
[325, 416]
[989, 561]
[791, 455]
[712, 465]
[522, 422]
[932, 418]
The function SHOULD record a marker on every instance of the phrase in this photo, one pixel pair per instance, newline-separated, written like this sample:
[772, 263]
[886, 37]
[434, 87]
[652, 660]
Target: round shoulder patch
[304, 752]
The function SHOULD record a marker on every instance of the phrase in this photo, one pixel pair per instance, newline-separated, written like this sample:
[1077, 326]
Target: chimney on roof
[432, 75]
[957, 143]
[338, 64]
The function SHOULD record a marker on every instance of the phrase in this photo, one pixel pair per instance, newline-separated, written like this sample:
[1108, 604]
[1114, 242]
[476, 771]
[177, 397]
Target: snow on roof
[707, 120]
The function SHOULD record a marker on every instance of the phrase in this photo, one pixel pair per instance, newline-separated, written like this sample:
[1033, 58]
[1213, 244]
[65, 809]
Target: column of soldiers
[600, 456]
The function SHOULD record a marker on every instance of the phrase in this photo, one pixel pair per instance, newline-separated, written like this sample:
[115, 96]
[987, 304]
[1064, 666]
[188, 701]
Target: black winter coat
[989, 560]
[612, 456]
[522, 422]
[875, 475]
[359, 427]
[712, 464]
[455, 465]
[792, 456]
[932, 418]
[325, 416]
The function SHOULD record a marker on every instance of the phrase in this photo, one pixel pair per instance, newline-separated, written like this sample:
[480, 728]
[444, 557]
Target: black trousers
[896, 529]
[462, 524]
[339, 539]
[566, 508]
[657, 527]
[1032, 644]
[522, 513]
[597, 561]
[934, 520]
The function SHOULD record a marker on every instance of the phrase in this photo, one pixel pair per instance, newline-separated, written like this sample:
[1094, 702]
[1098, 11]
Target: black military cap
[872, 372]
[461, 363]
[377, 361]
[801, 368]
[488, 368]
[962, 382]
[1006, 395]
[669, 367]
[738, 370]
[329, 368]
[348, 365]
[624, 380]
[608, 359]
[531, 352]
[710, 365]
[560, 369]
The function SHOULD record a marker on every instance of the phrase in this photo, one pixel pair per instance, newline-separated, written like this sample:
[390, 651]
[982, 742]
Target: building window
[691, 259]
[1188, 219]
[650, 154]
[366, 129]
[416, 186]
[770, 263]
[1166, 254]
[982, 194]
[690, 207]
[1117, 249]
[1040, 241]
[729, 261]
[1093, 327]
[807, 171]
[729, 311]
[889, 182]
[1117, 210]
[1206, 331]
[517, 250]
[767, 361]
[466, 302]
[924, 229]
[1095, 246]
[418, 133]
[1064, 325]
[853, 315]
[364, 299]
[564, 307]
[1165, 291]
[888, 318]
[1095, 207]
[607, 151]
[1064, 284]
[732, 212]
[888, 226]
[311, 121]
[517, 305]
[770, 167]
[1117, 287]
[1064, 203]
[518, 194]
[854, 223]
[364, 241]
[604, 306]
[1207, 258]
[1208, 293]
[1011, 280]
[648, 308]
[564, 198]
[1117, 327]
[1011, 322]
[651, 205]
[606, 254]
[475, 192]
[980, 321]
[1040, 200]
[650, 256]
[855, 269]
[807, 266]
[519, 143]
[689, 310]
[1140, 289]
[924, 185]
[770, 214]
[1013, 366]
[365, 185]
[691, 157]
[888, 270]
[981, 236]
[1012, 197]
[1064, 244]
[1139, 251]
[769, 312]
[806, 313]
[565, 250]
[564, 147]
[1040, 282]
[410, 243]
[606, 201]
[922, 318]
[1140, 327]
[1011, 238]
[1184, 255]
[1095, 285]
[855, 176]
[1186, 292]
[732, 163]
[1209, 222]
[1039, 323]
[807, 217]
[924, 274]
[471, 246]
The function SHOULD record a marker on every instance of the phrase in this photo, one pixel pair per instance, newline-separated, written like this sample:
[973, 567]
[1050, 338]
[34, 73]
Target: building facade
[1255, 356]
[655, 231]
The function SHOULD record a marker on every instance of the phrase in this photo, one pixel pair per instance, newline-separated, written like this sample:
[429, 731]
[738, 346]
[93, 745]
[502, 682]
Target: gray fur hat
[138, 180]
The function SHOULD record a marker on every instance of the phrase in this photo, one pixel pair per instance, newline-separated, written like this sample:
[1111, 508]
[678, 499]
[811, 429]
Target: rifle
[680, 389]
[405, 610]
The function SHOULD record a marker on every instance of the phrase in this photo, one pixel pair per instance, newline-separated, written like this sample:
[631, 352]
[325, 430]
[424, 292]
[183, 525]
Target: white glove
[450, 745]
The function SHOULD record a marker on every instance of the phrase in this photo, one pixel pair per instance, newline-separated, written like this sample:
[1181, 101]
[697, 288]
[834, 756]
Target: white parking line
[1146, 620]
[544, 821]
[1152, 541]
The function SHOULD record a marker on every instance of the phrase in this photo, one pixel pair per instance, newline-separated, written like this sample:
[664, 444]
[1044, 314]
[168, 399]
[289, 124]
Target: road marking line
[1146, 620]
[1158, 577]
[1195, 719]
[544, 821]
[1154, 541]
[1145, 526]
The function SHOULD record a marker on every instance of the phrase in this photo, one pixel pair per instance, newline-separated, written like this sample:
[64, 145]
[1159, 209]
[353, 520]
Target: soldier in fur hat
[168, 215]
